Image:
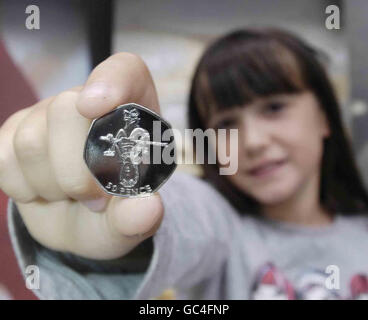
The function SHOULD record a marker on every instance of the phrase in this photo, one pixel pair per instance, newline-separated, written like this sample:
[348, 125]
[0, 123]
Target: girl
[290, 223]
[296, 167]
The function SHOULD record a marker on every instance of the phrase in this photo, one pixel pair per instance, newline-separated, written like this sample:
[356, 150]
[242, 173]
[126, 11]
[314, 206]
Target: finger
[124, 224]
[12, 180]
[31, 148]
[122, 78]
[66, 138]
[69, 226]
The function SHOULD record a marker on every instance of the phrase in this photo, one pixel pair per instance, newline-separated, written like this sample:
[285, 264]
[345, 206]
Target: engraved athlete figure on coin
[125, 153]
[132, 144]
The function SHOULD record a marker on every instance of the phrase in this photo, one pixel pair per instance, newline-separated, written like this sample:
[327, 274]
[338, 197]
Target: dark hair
[246, 64]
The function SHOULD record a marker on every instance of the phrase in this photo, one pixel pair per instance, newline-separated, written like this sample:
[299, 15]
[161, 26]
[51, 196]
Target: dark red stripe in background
[15, 93]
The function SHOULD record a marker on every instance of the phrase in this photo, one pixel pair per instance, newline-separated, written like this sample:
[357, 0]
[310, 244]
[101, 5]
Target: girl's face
[280, 144]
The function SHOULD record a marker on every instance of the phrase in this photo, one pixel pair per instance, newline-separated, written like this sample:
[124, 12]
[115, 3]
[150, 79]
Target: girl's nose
[254, 136]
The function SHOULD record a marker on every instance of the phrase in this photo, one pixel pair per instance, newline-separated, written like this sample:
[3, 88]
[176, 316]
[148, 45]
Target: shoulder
[355, 220]
[195, 193]
[180, 179]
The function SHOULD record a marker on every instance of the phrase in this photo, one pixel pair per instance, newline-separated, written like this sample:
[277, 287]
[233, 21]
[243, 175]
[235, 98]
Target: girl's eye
[226, 123]
[274, 108]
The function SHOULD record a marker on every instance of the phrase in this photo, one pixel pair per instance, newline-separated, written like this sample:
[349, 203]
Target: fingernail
[95, 205]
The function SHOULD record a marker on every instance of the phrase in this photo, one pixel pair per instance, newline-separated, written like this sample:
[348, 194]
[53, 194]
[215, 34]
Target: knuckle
[75, 89]
[13, 120]
[64, 97]
[5, 158]
[28, 143]
[60, 102]
[76, 187]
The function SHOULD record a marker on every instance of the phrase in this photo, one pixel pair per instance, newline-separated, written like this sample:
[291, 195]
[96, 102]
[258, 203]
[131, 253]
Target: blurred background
[170, 36]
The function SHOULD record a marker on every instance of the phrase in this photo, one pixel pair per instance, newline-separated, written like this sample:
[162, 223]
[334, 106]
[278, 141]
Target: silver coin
[125, 152]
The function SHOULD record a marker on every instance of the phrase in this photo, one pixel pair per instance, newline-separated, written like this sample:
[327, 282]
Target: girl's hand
[43, 171]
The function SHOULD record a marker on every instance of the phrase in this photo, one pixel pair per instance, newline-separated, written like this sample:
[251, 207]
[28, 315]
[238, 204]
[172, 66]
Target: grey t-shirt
[205, 249]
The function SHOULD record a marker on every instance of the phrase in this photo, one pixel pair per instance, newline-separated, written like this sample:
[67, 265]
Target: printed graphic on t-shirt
[271, 284]
[359, 287]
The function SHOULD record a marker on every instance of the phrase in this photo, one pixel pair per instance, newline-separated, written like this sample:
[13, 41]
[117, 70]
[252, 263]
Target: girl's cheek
[305, 151]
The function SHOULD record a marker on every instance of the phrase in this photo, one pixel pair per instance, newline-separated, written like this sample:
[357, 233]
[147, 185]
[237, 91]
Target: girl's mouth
[267, 169]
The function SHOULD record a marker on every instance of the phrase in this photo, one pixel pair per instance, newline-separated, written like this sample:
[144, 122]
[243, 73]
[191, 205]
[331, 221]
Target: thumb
[116, 230]
[135, 216]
